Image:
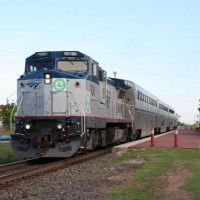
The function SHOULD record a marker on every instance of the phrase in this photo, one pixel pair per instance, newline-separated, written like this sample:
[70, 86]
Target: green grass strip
[150, 178]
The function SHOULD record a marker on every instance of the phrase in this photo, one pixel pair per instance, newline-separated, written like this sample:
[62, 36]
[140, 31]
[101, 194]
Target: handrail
[16, 111]
[82, 112]
[131, 116]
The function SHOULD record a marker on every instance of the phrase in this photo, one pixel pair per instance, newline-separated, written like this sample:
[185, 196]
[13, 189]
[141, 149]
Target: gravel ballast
[90, 180]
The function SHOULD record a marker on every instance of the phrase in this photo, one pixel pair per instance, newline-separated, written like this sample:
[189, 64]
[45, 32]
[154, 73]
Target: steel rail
[15, 165]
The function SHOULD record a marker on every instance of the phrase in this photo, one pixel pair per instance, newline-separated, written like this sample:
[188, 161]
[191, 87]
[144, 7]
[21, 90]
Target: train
[66, 104]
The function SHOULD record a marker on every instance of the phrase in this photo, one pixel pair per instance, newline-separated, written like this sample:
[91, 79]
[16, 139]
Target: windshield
[73, 66]
[38, 65]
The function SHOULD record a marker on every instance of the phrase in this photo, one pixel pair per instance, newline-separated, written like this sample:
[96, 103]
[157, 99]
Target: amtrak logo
[59, 84]
[34, 84]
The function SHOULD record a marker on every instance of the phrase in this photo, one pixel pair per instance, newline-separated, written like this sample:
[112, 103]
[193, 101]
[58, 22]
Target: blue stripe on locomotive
[62, 74]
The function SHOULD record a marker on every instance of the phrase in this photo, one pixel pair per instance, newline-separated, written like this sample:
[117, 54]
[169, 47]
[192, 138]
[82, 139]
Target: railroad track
[9, 179]
[16, 165]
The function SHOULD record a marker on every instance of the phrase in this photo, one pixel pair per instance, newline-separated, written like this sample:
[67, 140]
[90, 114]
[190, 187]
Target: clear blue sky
[154, 43]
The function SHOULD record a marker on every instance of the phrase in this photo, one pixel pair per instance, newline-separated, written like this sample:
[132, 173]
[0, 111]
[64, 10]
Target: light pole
[199, 116]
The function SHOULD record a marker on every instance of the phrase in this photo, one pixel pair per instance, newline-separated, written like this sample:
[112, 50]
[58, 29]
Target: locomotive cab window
[95, 69]
[102, 75]
[72, 65]
[38, 65]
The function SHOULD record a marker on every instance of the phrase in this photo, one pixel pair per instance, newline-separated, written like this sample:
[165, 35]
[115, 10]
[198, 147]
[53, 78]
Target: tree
[1, 108]
[8, 110]
[180, 123]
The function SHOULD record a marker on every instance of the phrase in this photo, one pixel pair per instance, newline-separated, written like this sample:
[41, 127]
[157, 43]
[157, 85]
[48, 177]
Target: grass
[40, 192]
[194, 181]
[6, 153]
[4, 131]
[149, 180]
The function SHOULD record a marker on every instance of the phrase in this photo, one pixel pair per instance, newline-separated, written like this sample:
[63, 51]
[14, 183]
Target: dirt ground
[177, 178]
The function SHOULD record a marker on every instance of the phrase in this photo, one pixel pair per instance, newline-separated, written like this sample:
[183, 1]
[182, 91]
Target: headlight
[47, 78]
[27, 126]
[59, 126]
[47, 81]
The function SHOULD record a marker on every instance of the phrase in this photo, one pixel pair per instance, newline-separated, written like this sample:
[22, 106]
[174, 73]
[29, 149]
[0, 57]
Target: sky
[154, 43]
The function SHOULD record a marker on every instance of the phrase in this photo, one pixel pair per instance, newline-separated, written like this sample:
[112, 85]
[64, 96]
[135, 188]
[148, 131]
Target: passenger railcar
[66, 103]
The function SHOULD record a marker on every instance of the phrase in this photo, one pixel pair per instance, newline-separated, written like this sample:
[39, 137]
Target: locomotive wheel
[138, 134]
[124, 137]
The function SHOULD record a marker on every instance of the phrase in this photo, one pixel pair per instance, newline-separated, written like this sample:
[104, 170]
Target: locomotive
[67, 104]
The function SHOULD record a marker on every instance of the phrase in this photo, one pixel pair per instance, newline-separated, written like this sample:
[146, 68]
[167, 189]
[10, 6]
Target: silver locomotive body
[66, 103]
